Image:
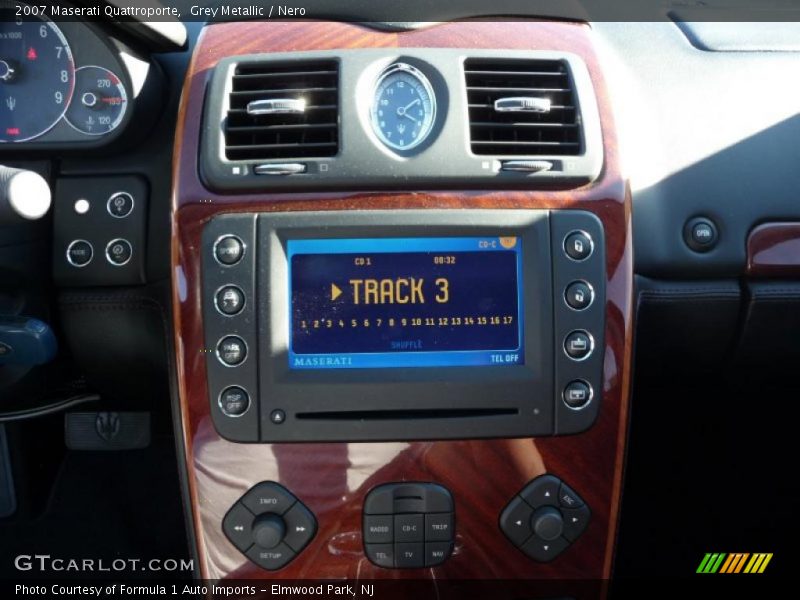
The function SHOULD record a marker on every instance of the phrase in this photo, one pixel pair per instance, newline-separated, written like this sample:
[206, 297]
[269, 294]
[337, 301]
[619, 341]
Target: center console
[400, 376]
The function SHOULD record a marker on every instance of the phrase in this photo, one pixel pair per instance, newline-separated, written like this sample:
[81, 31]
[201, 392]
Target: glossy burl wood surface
[773, 250]
[332, 479]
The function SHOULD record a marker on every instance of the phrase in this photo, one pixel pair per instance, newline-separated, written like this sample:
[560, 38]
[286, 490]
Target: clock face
[403, 107]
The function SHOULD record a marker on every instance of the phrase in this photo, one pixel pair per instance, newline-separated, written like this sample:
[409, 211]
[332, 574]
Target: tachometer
[100, 101]
[37, 76]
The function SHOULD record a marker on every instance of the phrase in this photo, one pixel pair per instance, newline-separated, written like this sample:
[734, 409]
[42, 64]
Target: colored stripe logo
[737, 562]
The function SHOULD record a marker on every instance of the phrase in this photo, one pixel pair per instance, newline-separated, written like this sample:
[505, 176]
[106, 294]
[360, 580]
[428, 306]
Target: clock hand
[410, 104]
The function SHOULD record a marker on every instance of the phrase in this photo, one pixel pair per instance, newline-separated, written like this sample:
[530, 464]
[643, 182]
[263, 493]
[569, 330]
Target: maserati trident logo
[107, 425]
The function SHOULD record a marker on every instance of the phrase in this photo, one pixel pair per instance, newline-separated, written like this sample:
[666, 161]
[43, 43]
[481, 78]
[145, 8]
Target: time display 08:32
[405, 302]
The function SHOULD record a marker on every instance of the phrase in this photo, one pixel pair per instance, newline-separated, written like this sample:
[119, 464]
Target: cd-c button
[578, 345]
[231, 350]
[234, 401]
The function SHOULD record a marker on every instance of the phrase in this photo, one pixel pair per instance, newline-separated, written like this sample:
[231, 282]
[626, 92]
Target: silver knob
[23, 195]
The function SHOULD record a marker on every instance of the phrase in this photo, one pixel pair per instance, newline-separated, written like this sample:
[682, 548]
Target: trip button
[578, 245]
[231, 351]
[271, 559]
[409, 556]
[230, 300]
[120, 205]
[381, 554]
[228, 250]
[79, 253]
[578, 345]
[378, 529]
[118, 252]
[409, 528]
[439, 527]
[234, 401]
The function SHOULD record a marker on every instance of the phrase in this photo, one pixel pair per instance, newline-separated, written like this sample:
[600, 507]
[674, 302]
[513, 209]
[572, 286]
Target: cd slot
[406, 414]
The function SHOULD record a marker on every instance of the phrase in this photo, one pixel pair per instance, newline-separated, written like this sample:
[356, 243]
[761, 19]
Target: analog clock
[403, 107]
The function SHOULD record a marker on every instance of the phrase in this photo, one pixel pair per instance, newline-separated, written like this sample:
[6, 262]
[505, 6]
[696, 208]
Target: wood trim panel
[332, 479]
[773, 250]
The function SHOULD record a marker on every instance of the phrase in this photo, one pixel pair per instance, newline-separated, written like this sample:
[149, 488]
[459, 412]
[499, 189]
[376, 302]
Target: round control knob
[23, 195]
[547, 523]
[269, 531]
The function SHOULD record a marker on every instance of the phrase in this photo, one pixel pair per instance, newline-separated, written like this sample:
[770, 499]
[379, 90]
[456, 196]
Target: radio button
[579, 295]
[378, 529]
[228, 250]
[578, 345]
[230, 300]
[578, 245]
[234, 401]
[577, 394]
[231, 350]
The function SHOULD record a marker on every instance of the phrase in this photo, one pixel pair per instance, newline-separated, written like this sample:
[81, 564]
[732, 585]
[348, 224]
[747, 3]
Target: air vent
[283, 110]
[522, 108]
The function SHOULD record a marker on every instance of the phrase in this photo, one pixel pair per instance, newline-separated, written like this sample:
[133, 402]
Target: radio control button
[409, 528]
[439, 527]
[409, 556]
[544, 550]
[234, 401]
[577, 394]
[378, 529]
[118, 252]
[578, 345]
[79, 253]
[568, 498]
[437, 552]
[268, 531]
[231, 350]
[381, 554]
[268, 497]
[228, 250]
[238, 526]
[579, 295]
[578, 245]
[230, 300]
[301, 526]
[271, 559]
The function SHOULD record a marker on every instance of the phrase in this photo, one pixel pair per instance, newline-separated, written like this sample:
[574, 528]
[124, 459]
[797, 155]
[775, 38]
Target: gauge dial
[37, 76]
[100, 101]
[403, 107]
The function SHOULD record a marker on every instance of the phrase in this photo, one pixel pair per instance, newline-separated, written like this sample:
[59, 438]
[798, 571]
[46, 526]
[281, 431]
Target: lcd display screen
[405, 302]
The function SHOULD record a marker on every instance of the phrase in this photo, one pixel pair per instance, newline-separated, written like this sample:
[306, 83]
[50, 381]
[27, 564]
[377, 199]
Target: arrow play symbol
[299, 528]
[518, 523]
[239, 528]
[335, 291]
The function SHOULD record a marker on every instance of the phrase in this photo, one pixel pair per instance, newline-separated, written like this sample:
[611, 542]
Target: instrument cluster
[61, 83]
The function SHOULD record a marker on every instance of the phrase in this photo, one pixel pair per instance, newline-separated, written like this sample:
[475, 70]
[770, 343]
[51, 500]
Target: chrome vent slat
[283, 134]
[556, 131]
